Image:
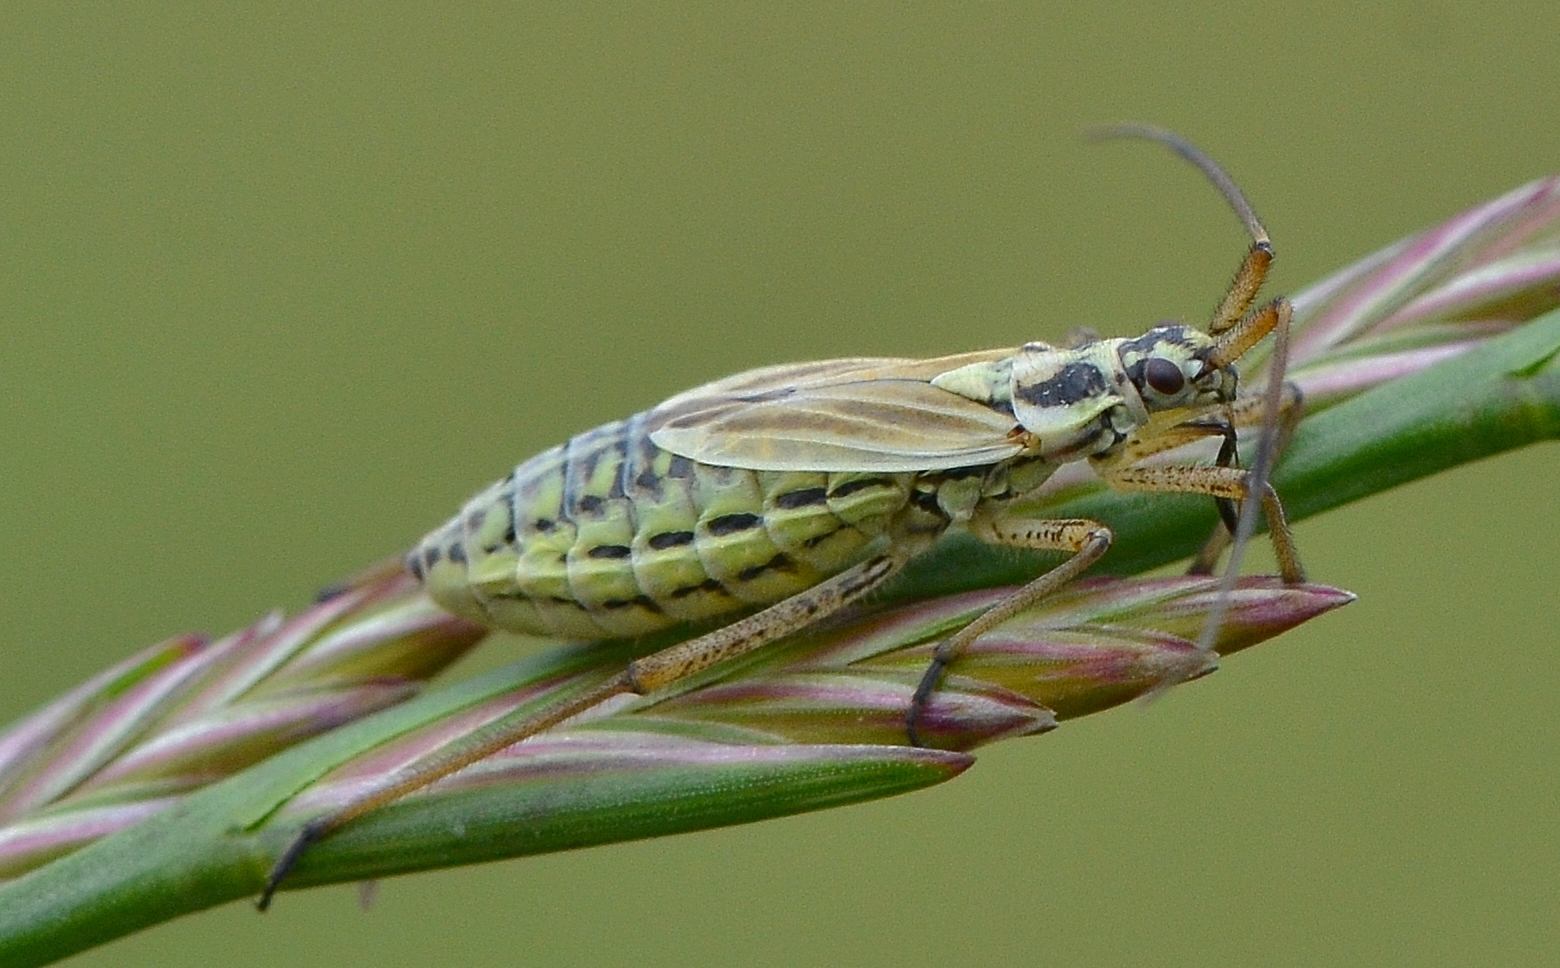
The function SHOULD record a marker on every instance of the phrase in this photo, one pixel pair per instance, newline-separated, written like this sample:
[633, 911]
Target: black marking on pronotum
[851, 487]
[610, 551]
[791, 500]
[778, 563]
[1077, 381]
[669, 539]
[707, 585]
[680, 466]
[733, 523]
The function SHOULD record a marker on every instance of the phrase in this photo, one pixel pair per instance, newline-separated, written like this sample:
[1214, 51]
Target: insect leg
[1229, 456]
[1231, 483]
[641, 676]
[1213, 423]
[1236, 330]
[1248, 412]
[1220, 421]
[1146, 444]
[1086, 539]
[679, 661]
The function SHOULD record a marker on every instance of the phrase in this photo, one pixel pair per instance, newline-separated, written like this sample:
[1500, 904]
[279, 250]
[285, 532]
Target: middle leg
[1086, 539]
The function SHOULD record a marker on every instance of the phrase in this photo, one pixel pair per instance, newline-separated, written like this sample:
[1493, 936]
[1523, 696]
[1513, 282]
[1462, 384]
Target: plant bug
[800, 489]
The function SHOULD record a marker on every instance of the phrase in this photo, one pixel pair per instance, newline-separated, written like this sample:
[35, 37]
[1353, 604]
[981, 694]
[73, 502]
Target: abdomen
[610, 536]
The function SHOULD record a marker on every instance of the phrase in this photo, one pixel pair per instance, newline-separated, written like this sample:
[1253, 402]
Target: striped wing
[837, 416]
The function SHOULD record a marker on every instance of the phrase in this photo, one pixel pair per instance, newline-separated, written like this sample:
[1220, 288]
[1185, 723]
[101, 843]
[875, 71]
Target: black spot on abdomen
[728, 524]
[852, 487]
[669, 539]
[643, 601]
[778, 563]
[708, 585]
[806, 497]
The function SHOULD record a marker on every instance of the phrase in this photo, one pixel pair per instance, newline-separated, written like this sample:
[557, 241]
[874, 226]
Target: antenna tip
[1129, 129]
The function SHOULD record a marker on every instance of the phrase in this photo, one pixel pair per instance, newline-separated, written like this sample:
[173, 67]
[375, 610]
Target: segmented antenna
[1262, 464]
[1221, 179]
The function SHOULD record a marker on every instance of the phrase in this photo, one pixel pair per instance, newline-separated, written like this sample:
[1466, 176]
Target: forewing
[751, 385]
[839, 415]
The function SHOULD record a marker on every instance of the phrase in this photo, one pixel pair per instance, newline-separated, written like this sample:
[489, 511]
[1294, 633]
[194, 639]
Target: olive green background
[280, 286]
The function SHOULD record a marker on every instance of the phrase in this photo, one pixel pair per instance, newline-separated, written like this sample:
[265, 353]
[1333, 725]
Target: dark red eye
[1163, 376]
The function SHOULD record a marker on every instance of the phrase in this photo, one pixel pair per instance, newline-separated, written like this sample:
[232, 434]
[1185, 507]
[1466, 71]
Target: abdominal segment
[610, 536]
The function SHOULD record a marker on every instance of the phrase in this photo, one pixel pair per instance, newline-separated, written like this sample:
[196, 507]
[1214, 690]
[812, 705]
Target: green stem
[1502, 395]
[209, 849]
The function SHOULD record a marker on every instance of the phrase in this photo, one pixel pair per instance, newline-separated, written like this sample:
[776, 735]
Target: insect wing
[838, 416]
[765, 381]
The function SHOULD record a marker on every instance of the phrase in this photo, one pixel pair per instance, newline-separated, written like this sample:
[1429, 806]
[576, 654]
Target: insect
[797, 490]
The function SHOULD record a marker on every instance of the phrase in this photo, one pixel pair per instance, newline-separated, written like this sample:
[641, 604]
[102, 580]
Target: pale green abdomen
[611, 536]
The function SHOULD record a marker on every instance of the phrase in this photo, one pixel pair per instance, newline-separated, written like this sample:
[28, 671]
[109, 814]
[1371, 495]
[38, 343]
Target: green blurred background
[280, 286]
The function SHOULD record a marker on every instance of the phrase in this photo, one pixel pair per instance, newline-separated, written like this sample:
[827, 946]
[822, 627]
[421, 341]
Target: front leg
[1086, 539]
[1247, 412]
[1226, 483]
[1164, 433]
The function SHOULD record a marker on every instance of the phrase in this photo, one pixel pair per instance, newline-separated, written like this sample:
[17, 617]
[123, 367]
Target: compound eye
[1164, 376]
